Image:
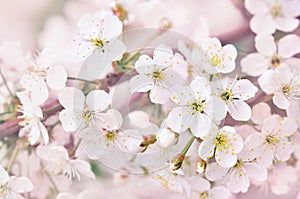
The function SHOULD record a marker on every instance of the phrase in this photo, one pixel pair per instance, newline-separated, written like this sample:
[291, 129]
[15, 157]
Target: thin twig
[5, 84]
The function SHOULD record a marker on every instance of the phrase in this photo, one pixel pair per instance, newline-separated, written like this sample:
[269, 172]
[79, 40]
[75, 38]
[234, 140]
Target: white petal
[287, 127]
[159, 94]
[56, 77]
[44, 133]
[34, 134]
[98, 100]
[239, 110]
[244, 89]
[139, 119]
[112, 27]
[265, 158]
[140, 83]
[265, 44]
[94, 143]
[286, 24]
[162, 56]
[224, 158]
[39, 93]
[212, 44]
[254, 64]
[291, 8]
[71, 98]
[281, 101]
[237, 181]
[284, 150]
[206, 148]
[228, 54]
[144, 65]
[68, 120]
[4, 177]
[199, 184]
[260, 112]
[288, 46]
[256, 6]
[201, 88]
[200, 125]
[216, 108]
[84, 168]
[261, 24]
[269, 82]
[20, 184]
[214, 172]
[220, 193]
[256, 172]
[65, 196]
[52, 153]
[179, 119]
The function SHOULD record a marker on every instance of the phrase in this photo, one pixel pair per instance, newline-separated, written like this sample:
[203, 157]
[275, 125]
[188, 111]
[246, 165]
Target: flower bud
[177, 162]
[148, 140]
[166, 137]
[200, 166]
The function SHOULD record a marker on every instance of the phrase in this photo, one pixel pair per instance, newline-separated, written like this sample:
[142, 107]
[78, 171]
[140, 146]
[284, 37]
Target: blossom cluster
[200, 118]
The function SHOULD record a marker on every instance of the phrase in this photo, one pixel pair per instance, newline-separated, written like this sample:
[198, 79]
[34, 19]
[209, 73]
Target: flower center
[227, 96]
[286, 89]
[120, 12]
[275, 61]
[158, 74]
[97, 42]
[204, 195]
[87, 116]
[39, 72]
[239, 164]
[198, 106]
[110, 136]
[275, 10]
[221, 141]
[215, 60]
[272, 139]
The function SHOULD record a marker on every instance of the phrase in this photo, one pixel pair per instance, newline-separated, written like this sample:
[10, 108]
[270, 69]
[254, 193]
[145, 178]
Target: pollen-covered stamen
[120, 12]
[3, 190]
[87, 116]
[204, 195]
[275, 61]
[286, 89]
[275, 10]
[97, 42]
[227, 96]
[110, 136]
[221, 141]
[37, 71]
[158, 74]
[272, 139]
[198, 106]
[215, 60]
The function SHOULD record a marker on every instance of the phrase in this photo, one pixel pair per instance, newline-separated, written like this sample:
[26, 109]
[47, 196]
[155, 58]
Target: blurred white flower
[272, 143]
[214, 58]
[270, 54]
[98, 41]
[284, 83]
[32, 116]
[197, 108]
[41, 73]
[272, 15]
[57, 162]
[236, 178]
[225, 143]
[234, 93]
[81, 112]
[201, 188]
[166, 137]
[160, 74]
[12, 187]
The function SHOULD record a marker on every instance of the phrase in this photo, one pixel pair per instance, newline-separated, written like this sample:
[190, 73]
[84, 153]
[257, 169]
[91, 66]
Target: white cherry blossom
[272, 142]
[284, 83]
[98, 41]
[32, 116]
[41, 73]
[234, 92]
[237, 178]
[272, 15]
[270, 54]
[80, 111]
[214, 58]
[224, 143]
[197, 108]
[12, 187]
[159, 74]
[58, 162]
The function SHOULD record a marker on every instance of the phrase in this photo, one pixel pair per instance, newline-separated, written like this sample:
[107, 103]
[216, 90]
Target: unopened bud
[165, 24]
[148, 140]
[166, 137]
[200, 166]
[177, 162]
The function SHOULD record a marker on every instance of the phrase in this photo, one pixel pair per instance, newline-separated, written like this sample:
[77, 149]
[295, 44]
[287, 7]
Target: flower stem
[187, 146]
[12, 159]
[83, 80]
[50, 178]
[6, 85]
[73, 151]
